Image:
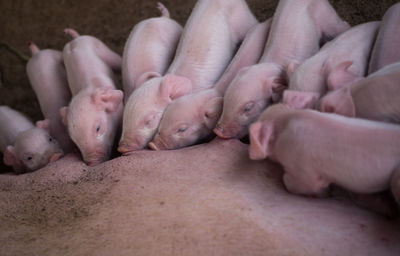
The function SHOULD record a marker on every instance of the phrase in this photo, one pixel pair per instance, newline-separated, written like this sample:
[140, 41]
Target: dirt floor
[43, 21]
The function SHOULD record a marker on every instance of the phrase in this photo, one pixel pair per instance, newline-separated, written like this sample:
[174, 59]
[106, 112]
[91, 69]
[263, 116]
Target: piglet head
[145, 107]
[93, 118]
[339, 102]
[252, 90]
[188, 120]
[33, 149]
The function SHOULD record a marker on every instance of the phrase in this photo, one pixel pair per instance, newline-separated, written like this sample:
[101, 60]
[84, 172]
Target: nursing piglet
[340, 62]
[192, 117]
[376, 97]
[297, 31]
[210, 36]
[25, 146]
[95, 111]
[47, 76]
[149, 50]
[318, 149]
[386, 48]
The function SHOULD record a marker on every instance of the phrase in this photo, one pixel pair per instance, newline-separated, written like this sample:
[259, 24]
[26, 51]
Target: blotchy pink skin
[25, 147]
[47, 76]
[386, 46]
[340, 62]
[297, 31]
[376, 97]
[192, 117]
[201, 57]
[317, 149]
[149, 50]
[94, 113]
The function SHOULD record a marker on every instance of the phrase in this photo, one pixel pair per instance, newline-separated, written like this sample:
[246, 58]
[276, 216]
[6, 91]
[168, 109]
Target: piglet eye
[248, 107]
[183, 129]
[98, 128]
[29, 158]
[50, 139]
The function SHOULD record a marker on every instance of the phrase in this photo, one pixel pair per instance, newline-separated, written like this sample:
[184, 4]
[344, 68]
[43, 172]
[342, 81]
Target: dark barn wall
[43, 21]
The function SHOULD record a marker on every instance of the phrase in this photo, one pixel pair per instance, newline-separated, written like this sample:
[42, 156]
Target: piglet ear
[300, 100]
[10, 158]
[44, 124]
[341, 76]
[174, 86]
[108, 99]
[145, 77]
[212, 111]
[261, 140]
[278, 85]
[339, 102]
[64, 113]
[291, 68]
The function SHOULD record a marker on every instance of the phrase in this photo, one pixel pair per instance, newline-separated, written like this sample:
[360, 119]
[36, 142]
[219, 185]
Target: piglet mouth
[55, 157]
[95, 159]
[126, 148]
[221, 132]
[157, 144]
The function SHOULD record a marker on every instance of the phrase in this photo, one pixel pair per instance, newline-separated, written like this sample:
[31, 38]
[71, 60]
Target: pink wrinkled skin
[386, 47]
[191, 118]
[47, 76]
[375, 97]
[25, 147]
[297, 31]
[149, 50]
[94, 113]
[298, 140]
[340, 62]
[202, 56]
[210, 199]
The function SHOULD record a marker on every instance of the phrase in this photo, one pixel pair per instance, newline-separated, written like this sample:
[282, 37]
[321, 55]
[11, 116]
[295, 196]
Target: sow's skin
[208, 41]
[376, 97]
[386, 48]
[25, 146]
[297, 31]
[318, 149]
[340, 62]
[210, 199]
[191, 118]
[94, 113]
[149, 50]
[47, 76]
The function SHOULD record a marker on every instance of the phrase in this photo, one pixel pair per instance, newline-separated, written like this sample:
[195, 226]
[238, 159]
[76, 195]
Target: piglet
[95, 111]
[386, 48]
[340, 62]
[25, 146]
[297, 31]
[192, 117]
[208, 41]
[376, 97]
[149, 50]
[46, 73]
[317, 149]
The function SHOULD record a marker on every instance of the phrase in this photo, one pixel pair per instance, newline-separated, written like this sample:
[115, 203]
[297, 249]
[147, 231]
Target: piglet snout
[220, 132]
